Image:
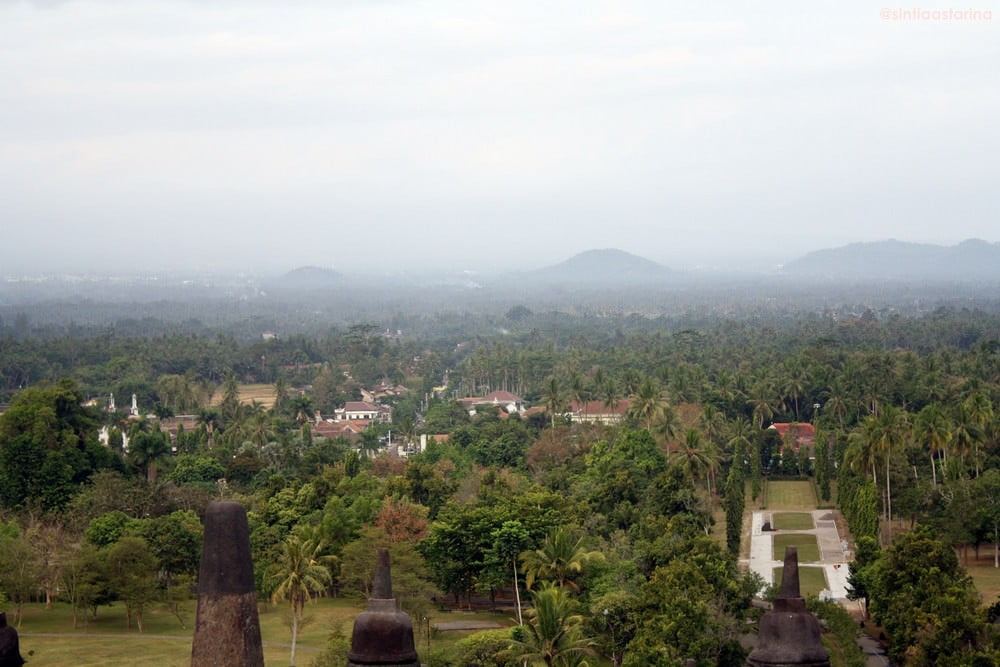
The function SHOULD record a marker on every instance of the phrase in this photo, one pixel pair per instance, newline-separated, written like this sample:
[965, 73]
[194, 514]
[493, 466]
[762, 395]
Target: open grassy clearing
[808, 547]
[164, 642]
[782, 495]
[812, 580]
[262, 393]
[984, 575]
[793, 521]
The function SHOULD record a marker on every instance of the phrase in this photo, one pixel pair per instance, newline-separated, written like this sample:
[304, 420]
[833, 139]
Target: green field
[808, 548]
[164, 642]
[793, 521]
[790, 496]
[987, 581]
[812, 580]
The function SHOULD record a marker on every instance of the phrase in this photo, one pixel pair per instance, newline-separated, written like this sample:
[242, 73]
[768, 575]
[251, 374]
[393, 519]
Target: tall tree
[299, 576]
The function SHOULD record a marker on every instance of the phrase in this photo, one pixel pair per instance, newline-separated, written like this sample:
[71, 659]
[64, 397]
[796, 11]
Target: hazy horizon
[383, 137]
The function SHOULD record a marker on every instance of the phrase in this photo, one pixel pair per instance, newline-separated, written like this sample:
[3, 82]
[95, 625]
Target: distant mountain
[608, 266]
[973, 259]
[309, 277]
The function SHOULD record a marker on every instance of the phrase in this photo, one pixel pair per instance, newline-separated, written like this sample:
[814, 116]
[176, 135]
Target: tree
[560, 559]
[553, 399]
[934, 432]
[48, 446]
[647, 405]
[926, 602]
[299, 576]
[132, 569]
[147, 450]
[862, 570]
[553, 634]
[696, 456]
[734, 501]
[508, 541]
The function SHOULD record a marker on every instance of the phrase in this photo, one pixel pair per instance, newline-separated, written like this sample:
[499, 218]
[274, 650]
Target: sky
[381, 136]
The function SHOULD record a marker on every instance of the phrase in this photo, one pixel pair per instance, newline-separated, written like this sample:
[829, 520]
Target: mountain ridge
[971, 259]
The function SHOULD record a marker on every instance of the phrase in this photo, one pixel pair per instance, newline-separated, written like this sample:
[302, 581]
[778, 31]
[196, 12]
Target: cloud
[701, 129]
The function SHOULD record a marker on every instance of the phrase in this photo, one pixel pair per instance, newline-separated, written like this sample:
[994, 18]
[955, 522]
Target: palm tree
[147, 449]
[892, 430]
[300, 575]
[302, 407]
[762, 406]
[697, 456]
[561, 556]
[668, 424]
[578, 391]
[553, 398]
[553, 634]
[932, 425]
[609, 394]
[647, 404]
[795, 386]
[979, 411]
[210, 419]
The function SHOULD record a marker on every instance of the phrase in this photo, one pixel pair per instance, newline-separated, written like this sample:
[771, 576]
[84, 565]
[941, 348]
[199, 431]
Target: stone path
[833, 557]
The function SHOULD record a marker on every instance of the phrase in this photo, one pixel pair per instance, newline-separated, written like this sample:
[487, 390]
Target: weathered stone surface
[383, 635]
[10, 649]
[227, 629]
[789, 635]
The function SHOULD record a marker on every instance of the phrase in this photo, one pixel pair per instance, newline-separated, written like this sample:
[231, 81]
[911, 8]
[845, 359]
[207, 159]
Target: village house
[363, 410]
[597, 412]
[796, 434]
[383, 390]
[506, 400]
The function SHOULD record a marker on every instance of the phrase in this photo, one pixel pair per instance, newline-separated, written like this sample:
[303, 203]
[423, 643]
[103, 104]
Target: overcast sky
[404, 135]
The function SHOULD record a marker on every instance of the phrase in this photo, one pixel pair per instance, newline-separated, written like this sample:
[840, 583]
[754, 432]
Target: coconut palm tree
[697, 456]
[147, 449]
[892, 430]
[560, 558]
[979, 411]
[647, 404]
[553, 398]
[935, 433]
[553, 634]
[210, 418]
[763, 408]
[610, 394]
[299, 575]
[668, 424]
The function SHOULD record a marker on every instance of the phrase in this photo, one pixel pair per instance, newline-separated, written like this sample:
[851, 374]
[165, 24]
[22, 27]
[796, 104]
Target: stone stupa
[383, 635]
[789, 634]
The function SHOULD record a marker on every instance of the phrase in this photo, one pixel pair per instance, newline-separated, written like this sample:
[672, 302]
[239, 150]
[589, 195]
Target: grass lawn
[793, 521]
[783, 495]
[808, 548]
[811, 579]
[987, 581]
[165, 642]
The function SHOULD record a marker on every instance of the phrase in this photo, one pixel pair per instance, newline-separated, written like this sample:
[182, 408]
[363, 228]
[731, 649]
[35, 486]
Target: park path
[138, 635]
[833, 551]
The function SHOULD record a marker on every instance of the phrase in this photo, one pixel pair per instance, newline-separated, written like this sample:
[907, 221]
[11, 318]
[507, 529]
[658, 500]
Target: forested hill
[970, 260]
[608, 266]
[309, 277]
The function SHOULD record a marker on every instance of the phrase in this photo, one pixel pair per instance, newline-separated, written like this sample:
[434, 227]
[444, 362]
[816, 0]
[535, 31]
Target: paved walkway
[833, 557]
